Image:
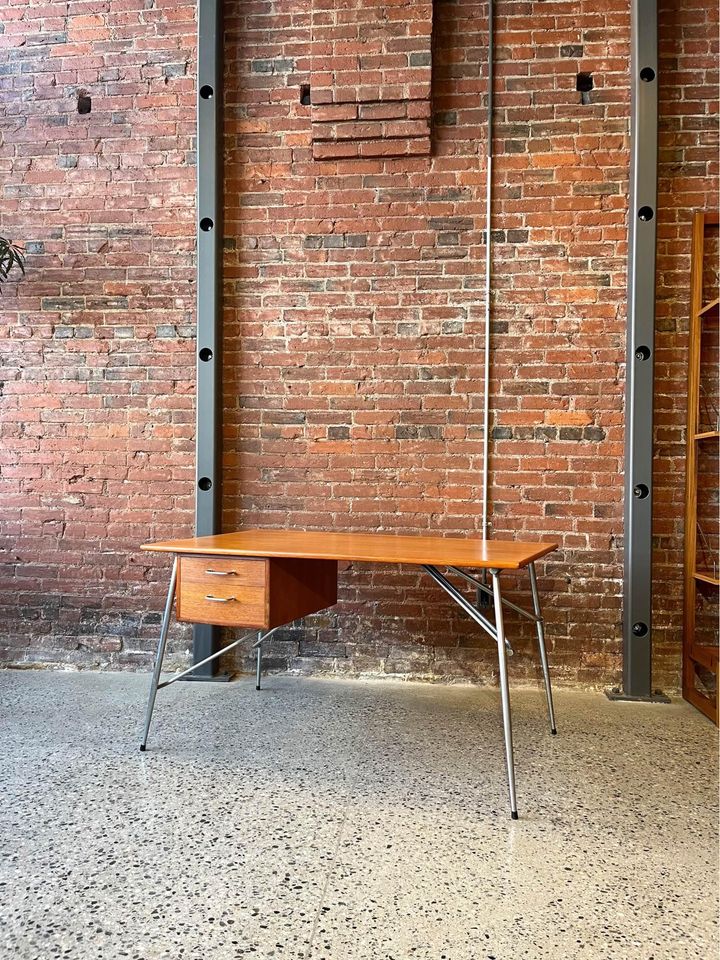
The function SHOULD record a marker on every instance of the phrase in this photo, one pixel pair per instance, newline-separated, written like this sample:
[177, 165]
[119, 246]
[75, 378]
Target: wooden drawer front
[224, 591]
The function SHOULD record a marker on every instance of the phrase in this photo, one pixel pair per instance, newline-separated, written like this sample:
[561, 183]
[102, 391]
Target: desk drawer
[223, 590]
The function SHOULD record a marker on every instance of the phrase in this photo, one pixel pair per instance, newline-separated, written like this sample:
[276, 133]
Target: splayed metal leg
[258, 667]
[155, 682]
[504, 691]
[541, 643]
[497, 632]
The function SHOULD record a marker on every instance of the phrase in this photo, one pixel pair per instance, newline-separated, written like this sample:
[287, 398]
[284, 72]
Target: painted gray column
[208, 500]
[637, 597]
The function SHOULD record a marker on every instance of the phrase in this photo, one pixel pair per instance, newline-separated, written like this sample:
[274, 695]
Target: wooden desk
[268, 578]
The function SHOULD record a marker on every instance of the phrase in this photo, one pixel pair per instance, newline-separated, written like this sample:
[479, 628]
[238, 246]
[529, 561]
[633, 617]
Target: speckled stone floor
[345, 820]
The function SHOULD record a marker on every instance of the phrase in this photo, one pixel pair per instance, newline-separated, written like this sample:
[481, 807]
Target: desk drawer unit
[224, 591]
[261, 593]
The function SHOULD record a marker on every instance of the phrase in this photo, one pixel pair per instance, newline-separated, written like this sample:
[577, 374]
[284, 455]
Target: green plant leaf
[11, 255]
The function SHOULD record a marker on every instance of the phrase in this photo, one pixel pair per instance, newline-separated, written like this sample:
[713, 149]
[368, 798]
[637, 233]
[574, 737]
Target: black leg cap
[142, 747]
[257, 688]
[553, 732]
[514, 815]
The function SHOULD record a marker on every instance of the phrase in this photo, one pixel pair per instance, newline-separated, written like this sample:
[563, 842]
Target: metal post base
[218, 678]
[657, 696]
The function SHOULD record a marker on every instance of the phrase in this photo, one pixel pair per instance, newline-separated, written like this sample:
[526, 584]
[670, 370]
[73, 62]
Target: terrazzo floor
[349, 820]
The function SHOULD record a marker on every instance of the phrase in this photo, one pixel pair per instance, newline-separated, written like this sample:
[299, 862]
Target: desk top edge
[418, 550]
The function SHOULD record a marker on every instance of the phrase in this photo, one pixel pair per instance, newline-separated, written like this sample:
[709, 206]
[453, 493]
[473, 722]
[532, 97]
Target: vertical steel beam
[209, 295]
[637, 599]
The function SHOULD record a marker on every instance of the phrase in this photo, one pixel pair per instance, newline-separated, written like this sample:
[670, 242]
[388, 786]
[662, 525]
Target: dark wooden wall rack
[702, 562]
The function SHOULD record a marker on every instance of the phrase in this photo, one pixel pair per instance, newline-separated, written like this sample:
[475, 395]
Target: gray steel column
[637, 598]
[209, 295]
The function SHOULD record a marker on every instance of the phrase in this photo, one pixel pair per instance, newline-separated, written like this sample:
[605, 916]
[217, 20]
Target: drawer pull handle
[222, 573]
[219, 599]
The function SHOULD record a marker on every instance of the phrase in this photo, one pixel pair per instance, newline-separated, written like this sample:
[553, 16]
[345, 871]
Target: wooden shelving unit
[709, 308]
[702, 557]
[706, 578]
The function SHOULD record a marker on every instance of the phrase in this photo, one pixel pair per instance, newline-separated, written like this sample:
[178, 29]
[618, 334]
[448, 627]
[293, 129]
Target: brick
[174, 69]
[333, 112]
[279, 65]
[63, 304]
[336, 151]
[383, 111]
[451, 223]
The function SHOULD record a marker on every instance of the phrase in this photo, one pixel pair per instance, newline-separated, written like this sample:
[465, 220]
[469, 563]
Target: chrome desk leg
[160, 653]
[258, 666]
[504, 690]
[497, 632]
[541, 643]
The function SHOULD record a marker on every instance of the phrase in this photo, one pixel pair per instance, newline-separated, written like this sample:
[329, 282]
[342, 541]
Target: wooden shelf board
[709, 308]
[706, 656]
[706, 578]
[703, 316]
[702, 703]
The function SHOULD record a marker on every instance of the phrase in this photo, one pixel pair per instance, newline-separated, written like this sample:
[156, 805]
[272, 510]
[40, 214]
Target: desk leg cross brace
[156, 684]
[497, 632]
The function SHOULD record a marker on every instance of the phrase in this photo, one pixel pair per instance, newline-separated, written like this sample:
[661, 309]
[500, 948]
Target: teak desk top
[365, 547]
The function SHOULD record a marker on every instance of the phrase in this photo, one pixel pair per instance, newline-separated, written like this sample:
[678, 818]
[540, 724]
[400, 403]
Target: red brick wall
[96, 411]
[355, 298]
[356, 316]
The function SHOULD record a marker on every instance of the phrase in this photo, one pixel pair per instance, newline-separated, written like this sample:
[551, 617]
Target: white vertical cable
[488, 268]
